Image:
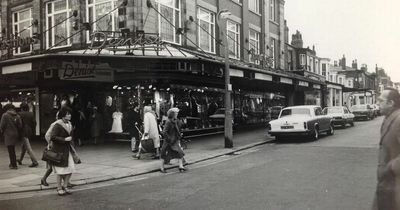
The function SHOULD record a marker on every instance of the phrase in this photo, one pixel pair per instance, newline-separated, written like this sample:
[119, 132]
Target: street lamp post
[222, 15]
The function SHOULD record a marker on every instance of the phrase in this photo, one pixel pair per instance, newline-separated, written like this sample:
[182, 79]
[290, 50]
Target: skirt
[66, 170]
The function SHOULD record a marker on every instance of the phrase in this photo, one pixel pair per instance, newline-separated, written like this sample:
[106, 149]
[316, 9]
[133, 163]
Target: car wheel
[315, 134]
[331, 130]
[352, 123]
[278, 138]
[344, 125]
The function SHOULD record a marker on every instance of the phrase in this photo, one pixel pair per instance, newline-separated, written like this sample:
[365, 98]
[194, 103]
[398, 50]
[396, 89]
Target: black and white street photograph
[199, 104]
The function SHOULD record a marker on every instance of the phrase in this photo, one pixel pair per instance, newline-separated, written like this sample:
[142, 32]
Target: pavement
[113, 160]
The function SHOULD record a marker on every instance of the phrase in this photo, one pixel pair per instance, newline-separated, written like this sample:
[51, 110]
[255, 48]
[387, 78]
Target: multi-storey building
[161, 52]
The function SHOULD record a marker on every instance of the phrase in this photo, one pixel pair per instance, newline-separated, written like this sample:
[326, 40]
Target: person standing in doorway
[387, 195]
[29, 125]
[134, 120]
[11, 130]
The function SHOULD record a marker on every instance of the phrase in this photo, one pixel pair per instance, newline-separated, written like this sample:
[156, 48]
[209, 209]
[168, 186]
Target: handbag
[51, 156]
[147, 144]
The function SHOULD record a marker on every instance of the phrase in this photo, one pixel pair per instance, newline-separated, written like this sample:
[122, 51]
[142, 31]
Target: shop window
[22, 21]
[254, 45]
[58, 26]
[206, 30]
[171, 13]
[96, 9]
[233, 33]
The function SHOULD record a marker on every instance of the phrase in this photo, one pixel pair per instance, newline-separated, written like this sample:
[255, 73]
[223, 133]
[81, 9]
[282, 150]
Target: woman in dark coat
[61, 137]
[171, 148]
[11, 129]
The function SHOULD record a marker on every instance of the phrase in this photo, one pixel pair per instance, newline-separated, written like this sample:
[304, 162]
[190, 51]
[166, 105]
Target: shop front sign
[16, 42]
[137, 41]
[24, 67]
[86, 70]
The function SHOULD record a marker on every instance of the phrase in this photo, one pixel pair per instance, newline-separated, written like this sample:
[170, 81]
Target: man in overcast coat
[387, 195]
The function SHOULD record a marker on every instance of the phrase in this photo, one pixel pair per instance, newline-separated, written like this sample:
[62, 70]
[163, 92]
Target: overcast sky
[366, 30]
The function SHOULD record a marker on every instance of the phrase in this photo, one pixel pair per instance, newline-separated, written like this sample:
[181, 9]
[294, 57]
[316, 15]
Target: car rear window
[287, 112]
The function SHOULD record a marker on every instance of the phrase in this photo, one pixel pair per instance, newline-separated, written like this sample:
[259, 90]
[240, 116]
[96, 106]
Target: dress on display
[117, 123]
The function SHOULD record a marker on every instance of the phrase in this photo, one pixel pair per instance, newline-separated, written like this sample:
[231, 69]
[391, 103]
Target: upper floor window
[302, 59]
[58, 26]
[340, 80]
[273, 43]
[324, 69]
[272, 10]
[95, 11]
[206, 30]
[171, 13]
[330, 78]
[233, 33]
[254, 45]
[22, 21]
[254, 5]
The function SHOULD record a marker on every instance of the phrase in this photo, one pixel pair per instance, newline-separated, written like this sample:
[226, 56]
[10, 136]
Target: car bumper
[293, 133]
[338, 121]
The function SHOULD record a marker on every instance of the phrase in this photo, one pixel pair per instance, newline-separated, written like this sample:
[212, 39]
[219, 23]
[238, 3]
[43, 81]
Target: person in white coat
[151, 130]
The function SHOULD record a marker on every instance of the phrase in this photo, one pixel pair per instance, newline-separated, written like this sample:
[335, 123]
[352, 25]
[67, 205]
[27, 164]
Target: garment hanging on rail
[117, 122]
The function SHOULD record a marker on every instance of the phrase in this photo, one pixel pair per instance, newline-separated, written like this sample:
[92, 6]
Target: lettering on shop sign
[138, 41]
[15, 42]
[77, 69]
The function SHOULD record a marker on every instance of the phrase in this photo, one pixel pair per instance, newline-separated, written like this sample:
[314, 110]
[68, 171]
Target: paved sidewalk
[113, 160]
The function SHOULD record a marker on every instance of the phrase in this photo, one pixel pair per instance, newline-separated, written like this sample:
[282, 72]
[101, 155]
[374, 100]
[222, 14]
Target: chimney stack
[343, 63]
[354, 64]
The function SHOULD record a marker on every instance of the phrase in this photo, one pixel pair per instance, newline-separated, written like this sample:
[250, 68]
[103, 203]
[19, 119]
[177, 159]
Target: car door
[322, 119]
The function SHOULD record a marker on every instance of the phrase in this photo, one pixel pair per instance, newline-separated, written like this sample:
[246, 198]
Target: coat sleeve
[146, 122]
[167, 131]
[395, 162]
[55, 134]
[2, 123]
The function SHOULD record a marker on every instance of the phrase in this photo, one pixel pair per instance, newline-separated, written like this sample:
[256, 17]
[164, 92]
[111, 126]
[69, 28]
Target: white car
[301, 121]
[340, 115]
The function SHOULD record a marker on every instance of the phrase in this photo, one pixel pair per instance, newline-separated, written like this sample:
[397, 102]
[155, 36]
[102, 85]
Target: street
[335, 172]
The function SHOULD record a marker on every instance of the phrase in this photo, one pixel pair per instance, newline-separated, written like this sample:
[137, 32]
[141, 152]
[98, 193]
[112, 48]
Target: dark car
[275, 110]
[362, 111]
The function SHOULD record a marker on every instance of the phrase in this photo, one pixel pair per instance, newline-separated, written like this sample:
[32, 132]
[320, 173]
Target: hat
[175, 109]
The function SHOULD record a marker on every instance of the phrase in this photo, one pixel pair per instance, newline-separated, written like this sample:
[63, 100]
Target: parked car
[301, 121]
[218, 118]
[340, 115]
[377, 110]
[275, 110]
[362, 111]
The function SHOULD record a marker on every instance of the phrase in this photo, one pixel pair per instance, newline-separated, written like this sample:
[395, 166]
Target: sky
[366, 30]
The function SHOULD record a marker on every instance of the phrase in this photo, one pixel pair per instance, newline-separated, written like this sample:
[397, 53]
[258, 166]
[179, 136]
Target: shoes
[67, 190]
[163, 170]
[61, 192]
[71, 185]
[182, 170]
[156, 157]
[12, 167]
[135, 150]
[19, 162]
[34, 165]
[137, 156]
[44, 183]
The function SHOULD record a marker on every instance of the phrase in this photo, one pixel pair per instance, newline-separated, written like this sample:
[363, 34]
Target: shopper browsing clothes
[29, 125]
[11, 130]
[171, 148]
[61, 137]
[151, 130]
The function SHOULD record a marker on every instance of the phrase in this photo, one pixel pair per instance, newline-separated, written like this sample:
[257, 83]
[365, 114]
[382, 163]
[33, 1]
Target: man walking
[387, 195]
[29, 125]
[133, 119]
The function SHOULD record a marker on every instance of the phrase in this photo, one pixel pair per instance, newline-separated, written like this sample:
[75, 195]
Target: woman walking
[171, 148]
[29, 124]
[61, 137]
[11, 129]
[151, 130]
